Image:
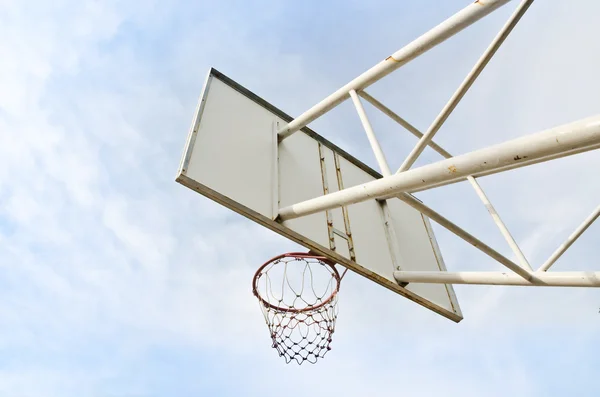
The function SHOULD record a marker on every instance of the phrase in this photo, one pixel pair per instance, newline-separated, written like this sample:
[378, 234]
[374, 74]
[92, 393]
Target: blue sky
[116, 281]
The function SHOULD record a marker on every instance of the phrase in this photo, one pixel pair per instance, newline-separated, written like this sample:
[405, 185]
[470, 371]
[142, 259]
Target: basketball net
[297, 293]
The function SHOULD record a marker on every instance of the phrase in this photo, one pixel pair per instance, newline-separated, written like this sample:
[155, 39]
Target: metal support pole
[541, 279]
[442, 221]
[565, 246]
[503, 229]
[465, 85]
[556, 142]
[412, 129]
[409, 127]
[459, 21]
[379, 155]
[390, 232]
[475, 242]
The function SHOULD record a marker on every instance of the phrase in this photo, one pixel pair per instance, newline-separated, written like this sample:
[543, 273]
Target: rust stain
[348, 237]
[391, 58]
[452, 169]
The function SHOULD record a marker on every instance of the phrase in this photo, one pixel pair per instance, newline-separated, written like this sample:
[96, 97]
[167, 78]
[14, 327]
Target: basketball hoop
[297, 293]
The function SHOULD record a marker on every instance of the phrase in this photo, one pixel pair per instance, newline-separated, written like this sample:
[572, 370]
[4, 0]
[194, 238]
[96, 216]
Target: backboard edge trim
[191, 139]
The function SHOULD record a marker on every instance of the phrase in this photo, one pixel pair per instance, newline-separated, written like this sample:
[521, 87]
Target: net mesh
[298, 297]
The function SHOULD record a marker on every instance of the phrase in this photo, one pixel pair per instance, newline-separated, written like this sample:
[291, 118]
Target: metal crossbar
[459, 21]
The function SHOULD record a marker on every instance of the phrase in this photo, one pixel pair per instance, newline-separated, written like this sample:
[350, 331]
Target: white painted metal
[435, 36]
[412, 129]
[540, 279]
[556, 142]
[465, 85]
[409, 127]
[526, 275]
[503, 229]
[525, 268]
[377, 151]
[385, 170]
[236, 161]
[391, 236]
[565, 246]
[469, 238]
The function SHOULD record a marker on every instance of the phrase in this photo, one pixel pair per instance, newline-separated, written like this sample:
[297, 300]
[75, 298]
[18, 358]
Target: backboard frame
[277, 226]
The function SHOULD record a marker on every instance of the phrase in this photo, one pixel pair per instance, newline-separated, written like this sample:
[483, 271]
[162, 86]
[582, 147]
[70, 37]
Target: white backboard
[232, 157]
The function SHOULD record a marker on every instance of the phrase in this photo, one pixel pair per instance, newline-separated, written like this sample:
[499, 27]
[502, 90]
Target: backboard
[233, 157]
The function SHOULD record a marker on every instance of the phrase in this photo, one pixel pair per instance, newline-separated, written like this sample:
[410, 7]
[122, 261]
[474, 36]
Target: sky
[117, 281]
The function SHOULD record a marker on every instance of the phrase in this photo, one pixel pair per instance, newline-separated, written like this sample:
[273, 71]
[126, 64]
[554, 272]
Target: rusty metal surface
[329, 218]
[348, 235]
[332, 231]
